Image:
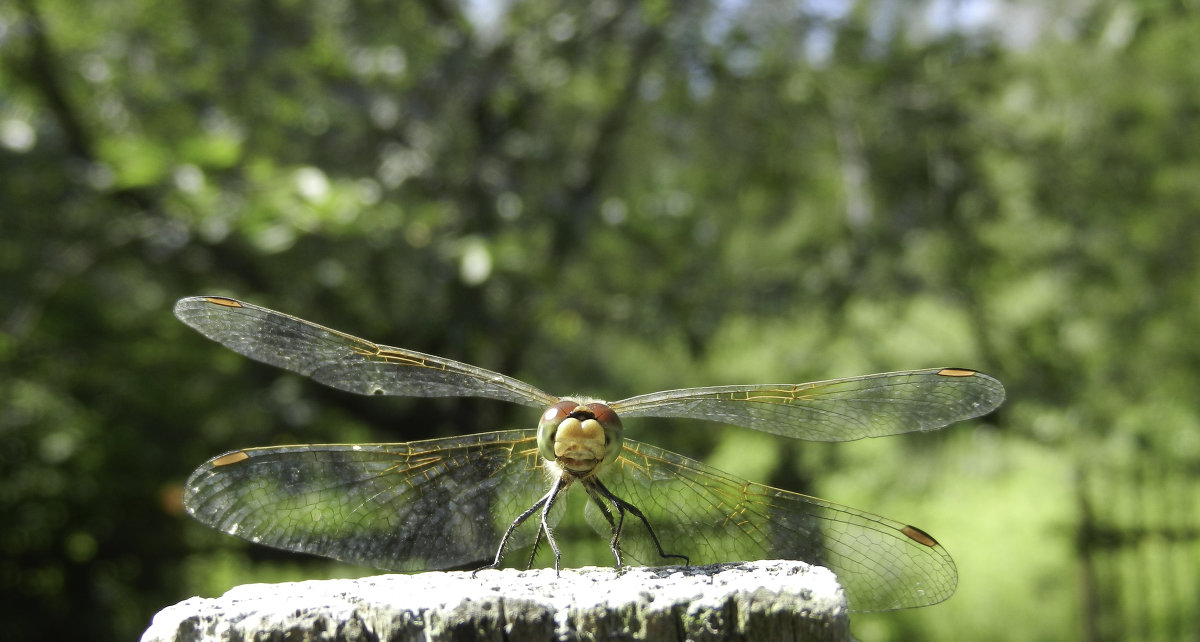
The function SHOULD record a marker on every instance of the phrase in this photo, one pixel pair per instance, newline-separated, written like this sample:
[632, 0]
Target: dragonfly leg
[548, 497]
[615, 544]
[545, 526]
[537, 542]
[602, 502]
[623, 507]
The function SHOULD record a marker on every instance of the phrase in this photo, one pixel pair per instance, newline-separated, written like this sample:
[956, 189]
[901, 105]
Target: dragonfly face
[579, 435]
[453, 502]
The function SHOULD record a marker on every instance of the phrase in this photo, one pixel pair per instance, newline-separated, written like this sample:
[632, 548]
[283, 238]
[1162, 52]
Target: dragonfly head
[579, 434]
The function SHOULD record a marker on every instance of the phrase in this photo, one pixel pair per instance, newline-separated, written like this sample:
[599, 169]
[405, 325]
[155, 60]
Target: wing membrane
[837, 410]
[710, 516]
[344, 361]
[435, 504]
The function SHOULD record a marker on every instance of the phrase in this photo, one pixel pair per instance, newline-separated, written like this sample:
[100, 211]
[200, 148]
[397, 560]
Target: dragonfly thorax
[579, 435]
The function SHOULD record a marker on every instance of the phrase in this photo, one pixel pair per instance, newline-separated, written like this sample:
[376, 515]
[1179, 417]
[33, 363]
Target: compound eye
[613, 431]
[605, 415]
[548, 426]
[554, 415]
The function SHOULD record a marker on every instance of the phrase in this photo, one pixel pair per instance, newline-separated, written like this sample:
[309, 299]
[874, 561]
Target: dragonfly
[455, 502]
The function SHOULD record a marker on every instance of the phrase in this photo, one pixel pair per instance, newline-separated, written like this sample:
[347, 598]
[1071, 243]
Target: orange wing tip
[231, 458]
[220, 300]
[956, 372]
[919, 536]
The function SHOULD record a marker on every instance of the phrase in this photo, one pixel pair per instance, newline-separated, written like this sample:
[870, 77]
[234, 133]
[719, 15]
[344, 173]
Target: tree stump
[769, 600]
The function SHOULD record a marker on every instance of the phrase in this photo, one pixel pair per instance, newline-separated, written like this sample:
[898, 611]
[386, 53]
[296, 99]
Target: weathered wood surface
[770, 600]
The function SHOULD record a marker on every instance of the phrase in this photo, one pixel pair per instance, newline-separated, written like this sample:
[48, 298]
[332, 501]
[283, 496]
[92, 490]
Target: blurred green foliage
[612, 197]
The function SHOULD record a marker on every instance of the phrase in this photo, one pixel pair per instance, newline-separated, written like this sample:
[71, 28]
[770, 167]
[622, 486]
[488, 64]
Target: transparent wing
[838, 410]
[436, 504]
[343, 361]
[710, 516]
